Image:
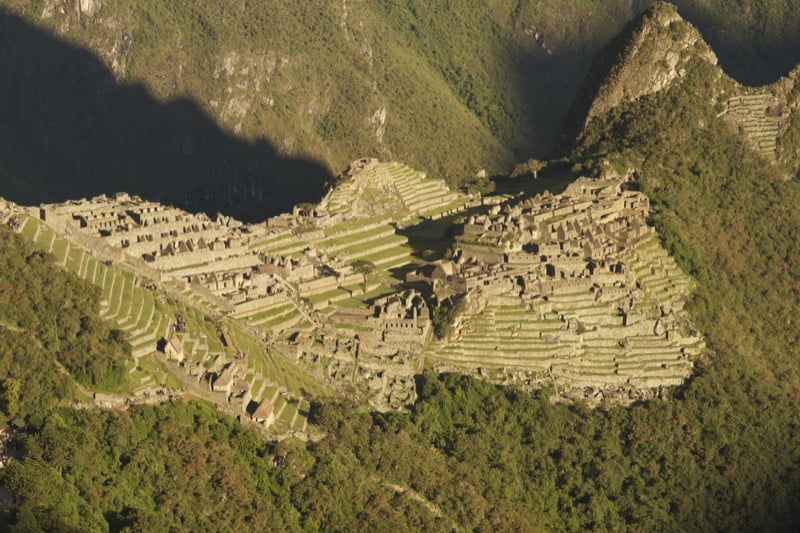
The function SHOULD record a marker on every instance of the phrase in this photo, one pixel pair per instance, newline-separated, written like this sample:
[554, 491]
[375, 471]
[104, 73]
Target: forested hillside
[218, 106]
[50, 335]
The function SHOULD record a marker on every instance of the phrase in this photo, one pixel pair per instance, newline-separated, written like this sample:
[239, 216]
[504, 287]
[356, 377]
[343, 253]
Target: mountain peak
[649, 57]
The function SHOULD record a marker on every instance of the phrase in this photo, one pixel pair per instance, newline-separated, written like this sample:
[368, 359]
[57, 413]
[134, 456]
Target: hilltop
[351, 292]
[661, 50]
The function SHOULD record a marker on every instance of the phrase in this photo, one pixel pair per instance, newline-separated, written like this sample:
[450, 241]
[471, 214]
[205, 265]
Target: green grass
[280, 319]
[317, 298]
[272, 367]
[46, 235]
[380, 292]
[60, 247]
[367, 246]
[29, 230]
[74, 259]
[348, 226]
[270, 240]
[136, 308]
[334, 240]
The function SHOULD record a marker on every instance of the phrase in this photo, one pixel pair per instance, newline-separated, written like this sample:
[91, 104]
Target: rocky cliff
[653, 55]
[655, 52]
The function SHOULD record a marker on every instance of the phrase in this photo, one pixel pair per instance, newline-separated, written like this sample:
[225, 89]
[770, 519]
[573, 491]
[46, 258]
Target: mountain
[720, 452]
[216, 108]
[657, 53]
[646, 58]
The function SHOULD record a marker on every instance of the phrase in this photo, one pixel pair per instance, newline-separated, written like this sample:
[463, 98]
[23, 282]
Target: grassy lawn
[348, 226]
[44, 238]
[371, 245]
[136, 309]
[74, 259]
[357, 236]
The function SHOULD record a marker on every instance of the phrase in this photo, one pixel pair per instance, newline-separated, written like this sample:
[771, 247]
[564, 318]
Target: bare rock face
[81, 8]
[655, 54]
[89, 7]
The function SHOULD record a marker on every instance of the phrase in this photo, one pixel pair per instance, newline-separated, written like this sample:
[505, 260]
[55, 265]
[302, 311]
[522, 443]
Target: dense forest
[722, 453]
[49, 331]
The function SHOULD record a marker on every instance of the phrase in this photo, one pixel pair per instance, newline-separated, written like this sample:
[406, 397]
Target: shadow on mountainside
[68, 130]
[752, 55]
[558, 87]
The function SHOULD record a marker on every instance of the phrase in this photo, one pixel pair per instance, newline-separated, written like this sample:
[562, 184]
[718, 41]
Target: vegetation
[48, 320]
[531, 168]
[138, 109]
[722, 454]
[444, 315]
[176, 468]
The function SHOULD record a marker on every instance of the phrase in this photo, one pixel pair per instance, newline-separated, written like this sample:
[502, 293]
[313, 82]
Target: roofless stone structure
[570, 290]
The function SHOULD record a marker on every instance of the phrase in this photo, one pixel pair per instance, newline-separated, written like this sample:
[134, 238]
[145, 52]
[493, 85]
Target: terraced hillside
[578, 339]
[571, 290]
[125, 301]
[146, 316]
[759, 117]
[391, 190]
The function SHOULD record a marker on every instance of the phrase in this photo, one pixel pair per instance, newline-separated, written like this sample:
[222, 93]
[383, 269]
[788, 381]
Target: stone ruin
[560, 284]
[569, 290]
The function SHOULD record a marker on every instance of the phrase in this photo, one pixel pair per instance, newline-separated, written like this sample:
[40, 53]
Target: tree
[443, 317]
[364, 268]
[9, 397]
[531, 166]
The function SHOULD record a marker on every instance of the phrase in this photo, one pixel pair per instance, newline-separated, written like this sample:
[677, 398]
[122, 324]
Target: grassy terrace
[381, 291]
[60, 248]
[276, 318]
[272, 377]
[282, 322]
[350, 226]
[269, 241]
[495, 361]
[356, 240]
[332, 295]
[150, 373]
[129, 307]
[509, 335]
[344, 229]
[202, 328]
[364, 248]
[288, 247]
[272, 312]
[394, 261]
[273, 368]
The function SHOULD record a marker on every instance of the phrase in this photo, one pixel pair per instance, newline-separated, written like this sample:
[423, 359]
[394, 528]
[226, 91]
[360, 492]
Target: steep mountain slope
[213, 106]
[654, 53]
[722, 454]
[657, 52]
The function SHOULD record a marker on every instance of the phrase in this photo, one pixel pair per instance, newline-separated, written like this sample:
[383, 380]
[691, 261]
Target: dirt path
[411, 494]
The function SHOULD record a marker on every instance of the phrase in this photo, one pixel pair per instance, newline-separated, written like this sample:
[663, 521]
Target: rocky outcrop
[81, 8]
[654, 54]
[89, 7]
